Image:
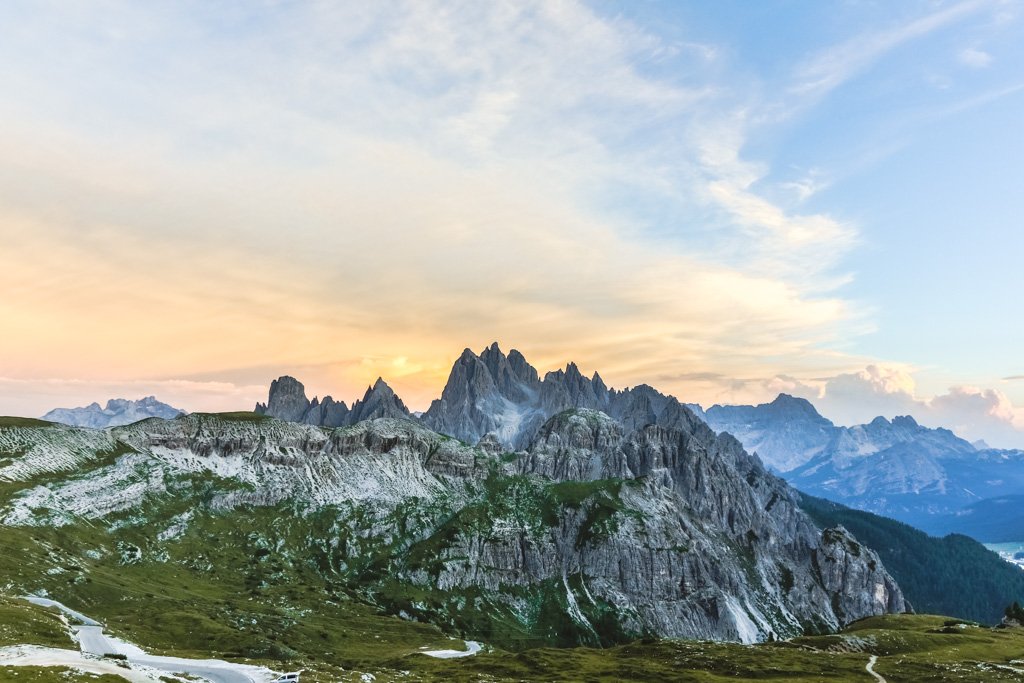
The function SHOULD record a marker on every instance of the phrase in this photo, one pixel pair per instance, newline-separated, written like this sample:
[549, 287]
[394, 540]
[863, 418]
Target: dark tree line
[1015, 612]
[955, 575]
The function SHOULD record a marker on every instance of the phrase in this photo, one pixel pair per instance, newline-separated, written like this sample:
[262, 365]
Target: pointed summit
[793, 405]
[484, 394]
[379, 400]
[523, 371]
[286, 401]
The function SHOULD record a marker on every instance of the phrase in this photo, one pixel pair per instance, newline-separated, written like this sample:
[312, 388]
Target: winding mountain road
[870, 667]
[93, 641]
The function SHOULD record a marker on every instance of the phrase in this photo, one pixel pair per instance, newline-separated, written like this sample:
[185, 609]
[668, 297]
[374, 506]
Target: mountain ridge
[117, 412]
[896, 467]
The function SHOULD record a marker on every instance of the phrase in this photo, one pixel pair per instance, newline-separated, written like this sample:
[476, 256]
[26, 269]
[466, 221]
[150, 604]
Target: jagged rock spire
[378, 401]
[286, 401]
[503, 395]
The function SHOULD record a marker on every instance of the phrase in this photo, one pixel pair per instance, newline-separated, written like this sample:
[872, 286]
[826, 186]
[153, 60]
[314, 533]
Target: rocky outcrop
[287, 401]
[758, 554]
[502, 396]
[378, 401]
[489, 394]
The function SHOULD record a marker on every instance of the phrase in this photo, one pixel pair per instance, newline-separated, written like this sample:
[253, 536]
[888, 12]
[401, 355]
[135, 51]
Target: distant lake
[1007, 551]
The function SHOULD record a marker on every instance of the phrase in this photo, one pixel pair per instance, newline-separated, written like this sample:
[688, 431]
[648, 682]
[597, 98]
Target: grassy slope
[918, 648]
[23, 623]
[300, 590]
[7, 421]
[51, 674]
[910, 648]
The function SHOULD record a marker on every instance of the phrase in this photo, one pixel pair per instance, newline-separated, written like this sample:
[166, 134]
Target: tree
[1015, 613]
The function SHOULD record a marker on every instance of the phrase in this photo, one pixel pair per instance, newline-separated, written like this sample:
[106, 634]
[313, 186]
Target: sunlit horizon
[725, 204]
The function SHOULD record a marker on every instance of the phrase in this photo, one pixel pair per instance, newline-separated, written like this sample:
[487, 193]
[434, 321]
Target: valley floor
[36, 647]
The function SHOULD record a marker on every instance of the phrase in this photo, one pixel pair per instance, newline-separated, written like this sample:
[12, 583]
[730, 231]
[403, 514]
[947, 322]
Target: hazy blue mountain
[895, 467]
[118, 412]
[785, 433]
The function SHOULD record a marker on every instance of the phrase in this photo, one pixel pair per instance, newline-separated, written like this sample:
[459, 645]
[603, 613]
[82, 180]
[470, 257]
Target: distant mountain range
[925, 477]
[993, 520]
[929, 478]
[118, 412]
[287, 401]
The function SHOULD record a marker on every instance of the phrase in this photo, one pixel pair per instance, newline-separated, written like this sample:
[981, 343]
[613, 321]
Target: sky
[725, 200]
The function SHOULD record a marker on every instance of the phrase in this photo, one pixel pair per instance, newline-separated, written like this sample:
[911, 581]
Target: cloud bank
[342, 187]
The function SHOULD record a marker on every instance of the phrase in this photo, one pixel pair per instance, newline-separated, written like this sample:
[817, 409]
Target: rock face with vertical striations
[378, 401]
[504, 396]
[287, 401]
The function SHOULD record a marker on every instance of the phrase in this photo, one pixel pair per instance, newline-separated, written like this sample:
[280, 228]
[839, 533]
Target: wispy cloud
[974, 58]
[828, 70]
[341, 187]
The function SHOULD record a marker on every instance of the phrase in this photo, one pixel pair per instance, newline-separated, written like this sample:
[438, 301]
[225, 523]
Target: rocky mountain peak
[905, 422]
[379, 400]
[786, 433]
[794, 406]
[489, 393]
[503, 394]
[524, 372]
[286, 400]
